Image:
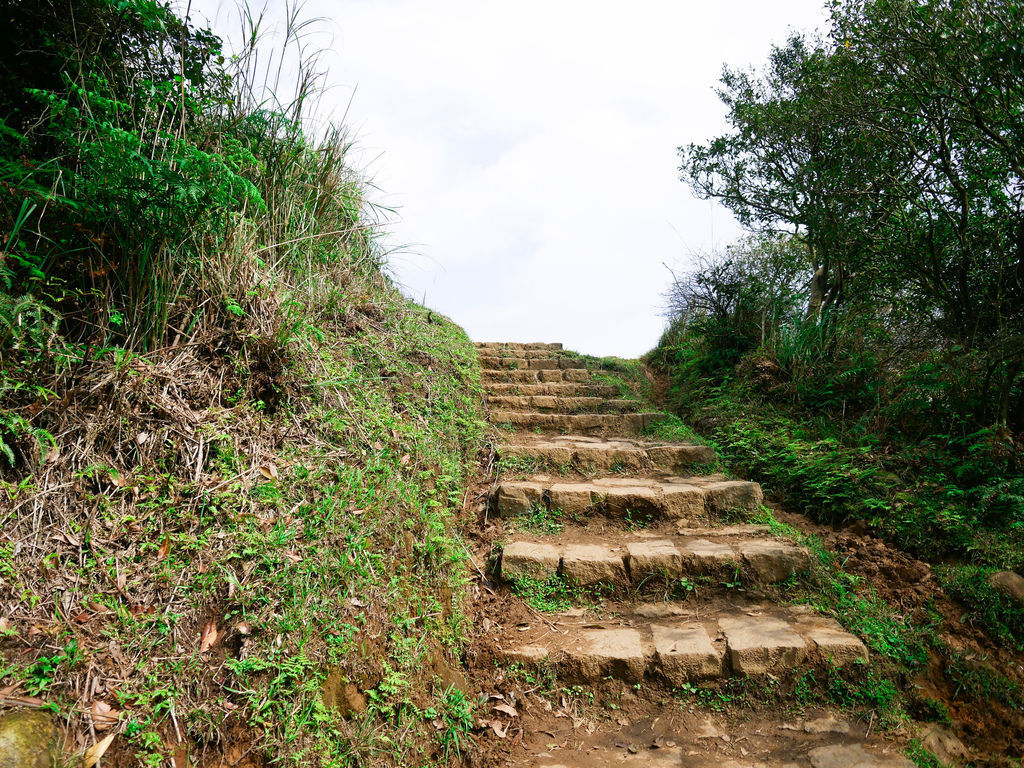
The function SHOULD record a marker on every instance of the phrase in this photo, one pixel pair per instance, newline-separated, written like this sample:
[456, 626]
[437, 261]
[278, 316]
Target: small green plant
[549, 594]
[540, 519]
[454, 722]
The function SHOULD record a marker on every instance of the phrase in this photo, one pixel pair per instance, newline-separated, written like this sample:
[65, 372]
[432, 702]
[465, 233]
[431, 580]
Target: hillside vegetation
[862, 350]
[231, 452]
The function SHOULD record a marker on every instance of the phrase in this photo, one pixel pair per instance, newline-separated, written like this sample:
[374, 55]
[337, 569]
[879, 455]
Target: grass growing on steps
[904, 645]
[920, 499]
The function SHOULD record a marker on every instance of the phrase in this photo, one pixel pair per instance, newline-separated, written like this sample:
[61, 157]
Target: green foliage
[196, 333]
[982, 603]
[547, 594]
[147, 178]
[540, 519]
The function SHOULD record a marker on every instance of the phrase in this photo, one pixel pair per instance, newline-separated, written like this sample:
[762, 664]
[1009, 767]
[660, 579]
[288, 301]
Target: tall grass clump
[154, 187]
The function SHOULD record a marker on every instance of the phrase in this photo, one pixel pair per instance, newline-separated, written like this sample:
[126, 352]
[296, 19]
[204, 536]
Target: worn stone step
[528, 354]
[704, 752]
[637, 558]
[594, 424]
[527, 363]
[677, 498]
[679, 650]
[595, 454]
[534, 376]
[552, 404]
[556, 389]
[517, 345]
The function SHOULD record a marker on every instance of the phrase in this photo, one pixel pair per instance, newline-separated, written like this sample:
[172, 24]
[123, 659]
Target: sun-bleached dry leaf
[96, 751]
[103, 715]
[508, 709]
[269, 471]
[209, 636]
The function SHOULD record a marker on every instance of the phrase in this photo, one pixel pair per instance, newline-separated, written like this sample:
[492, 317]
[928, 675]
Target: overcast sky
[529, 149]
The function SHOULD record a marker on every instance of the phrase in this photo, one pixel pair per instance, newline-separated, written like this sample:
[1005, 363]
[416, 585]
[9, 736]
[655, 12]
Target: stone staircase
[672, 580]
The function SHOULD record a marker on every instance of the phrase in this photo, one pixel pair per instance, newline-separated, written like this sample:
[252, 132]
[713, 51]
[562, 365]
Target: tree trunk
[1005, 393]
[817, 294]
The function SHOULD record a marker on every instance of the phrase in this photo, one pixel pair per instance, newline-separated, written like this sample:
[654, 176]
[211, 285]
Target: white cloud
[530, 149]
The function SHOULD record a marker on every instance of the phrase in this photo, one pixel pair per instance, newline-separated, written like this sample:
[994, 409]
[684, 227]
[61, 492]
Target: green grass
[549, 594]
[541, 520]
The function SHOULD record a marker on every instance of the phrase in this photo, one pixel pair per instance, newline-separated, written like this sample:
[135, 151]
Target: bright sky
[529, 149]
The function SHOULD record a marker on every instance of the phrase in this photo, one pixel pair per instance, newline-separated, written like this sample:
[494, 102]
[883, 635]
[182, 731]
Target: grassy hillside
[231, 453]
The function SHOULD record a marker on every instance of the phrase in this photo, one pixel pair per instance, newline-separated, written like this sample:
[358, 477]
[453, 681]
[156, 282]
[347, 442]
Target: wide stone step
[517, 345]
[595, 454]
[556, 389]
[676, 498]
[680, 649]
[528, 354]
[595, 424]
[528, 363]
[636, 559]
[550, 404]
[534, 376]
[705, 752]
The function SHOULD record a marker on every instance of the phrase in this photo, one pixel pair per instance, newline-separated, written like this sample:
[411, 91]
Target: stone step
[679, 649]
[489, 363]
[594, 424]
[675, 498]
[639, 558]
[594, 454]
[516, 345]
[556, 389]
[705, 752]
[533, 376]
[551, 404]
[528, 354]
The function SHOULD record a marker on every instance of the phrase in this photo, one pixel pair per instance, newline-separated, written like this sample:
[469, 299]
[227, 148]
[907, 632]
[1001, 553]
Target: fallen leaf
[103, 715]
[96, 751]
[269, 471]
[508, 710]
[405, 459]
[499, 728]
[209, 636]
[295, 558]
[378, 446]
[141, 438]
[165, 548]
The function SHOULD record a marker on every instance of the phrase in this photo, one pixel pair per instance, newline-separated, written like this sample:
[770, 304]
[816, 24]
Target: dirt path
[632, 606]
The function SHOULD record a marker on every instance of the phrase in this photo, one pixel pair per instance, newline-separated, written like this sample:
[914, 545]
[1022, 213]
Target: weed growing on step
[517, 465]
[540, 519]
[549, 594]
[542, 679]
[672, 429]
